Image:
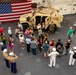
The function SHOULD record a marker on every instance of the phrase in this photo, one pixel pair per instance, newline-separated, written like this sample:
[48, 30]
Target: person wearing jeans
[12, 58]
[33, 44]
[34, 51]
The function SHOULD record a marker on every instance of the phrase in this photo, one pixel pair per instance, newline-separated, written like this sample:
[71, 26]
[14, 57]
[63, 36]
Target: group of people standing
[50, 49]
[7, 49]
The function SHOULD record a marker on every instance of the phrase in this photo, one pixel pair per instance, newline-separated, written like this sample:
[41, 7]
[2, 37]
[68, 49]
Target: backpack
[74, 55]
[58, 47]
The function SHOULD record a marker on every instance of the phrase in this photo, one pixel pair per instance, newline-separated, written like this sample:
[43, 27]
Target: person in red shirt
[40, 44]
[1, 30]
[52, 43]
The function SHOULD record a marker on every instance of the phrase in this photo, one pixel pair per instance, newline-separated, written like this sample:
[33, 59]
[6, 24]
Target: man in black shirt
[59, 43]
[67, 46]
[59, 47]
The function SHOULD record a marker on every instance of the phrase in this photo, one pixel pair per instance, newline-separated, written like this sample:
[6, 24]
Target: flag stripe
[9, 19]
[20, 3]
[21, 7]
[21, 10]
[14, 16]
[18, 8]
[15, 13]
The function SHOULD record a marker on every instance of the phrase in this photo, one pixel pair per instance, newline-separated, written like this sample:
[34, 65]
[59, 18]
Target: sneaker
[49, 65]
[69, 64]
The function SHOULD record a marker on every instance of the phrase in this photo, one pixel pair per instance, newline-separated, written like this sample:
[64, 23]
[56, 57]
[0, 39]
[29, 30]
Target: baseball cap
[45, 41]
[5, 50]
[1, 43]
[54, 49]
[11, 53]
[74, 47]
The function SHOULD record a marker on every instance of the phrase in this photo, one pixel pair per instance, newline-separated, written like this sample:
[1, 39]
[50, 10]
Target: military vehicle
[49, 15]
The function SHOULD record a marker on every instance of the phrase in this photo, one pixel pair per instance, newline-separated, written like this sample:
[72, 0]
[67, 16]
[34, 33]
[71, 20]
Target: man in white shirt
[28, 40]
[22, 41]
[71, 59]
[20, 26]
[53, 56]
[9, 31]
[39, 26]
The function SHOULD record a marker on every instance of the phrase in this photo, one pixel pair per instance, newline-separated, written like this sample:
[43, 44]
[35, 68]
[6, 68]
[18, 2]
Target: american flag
[11, 11]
